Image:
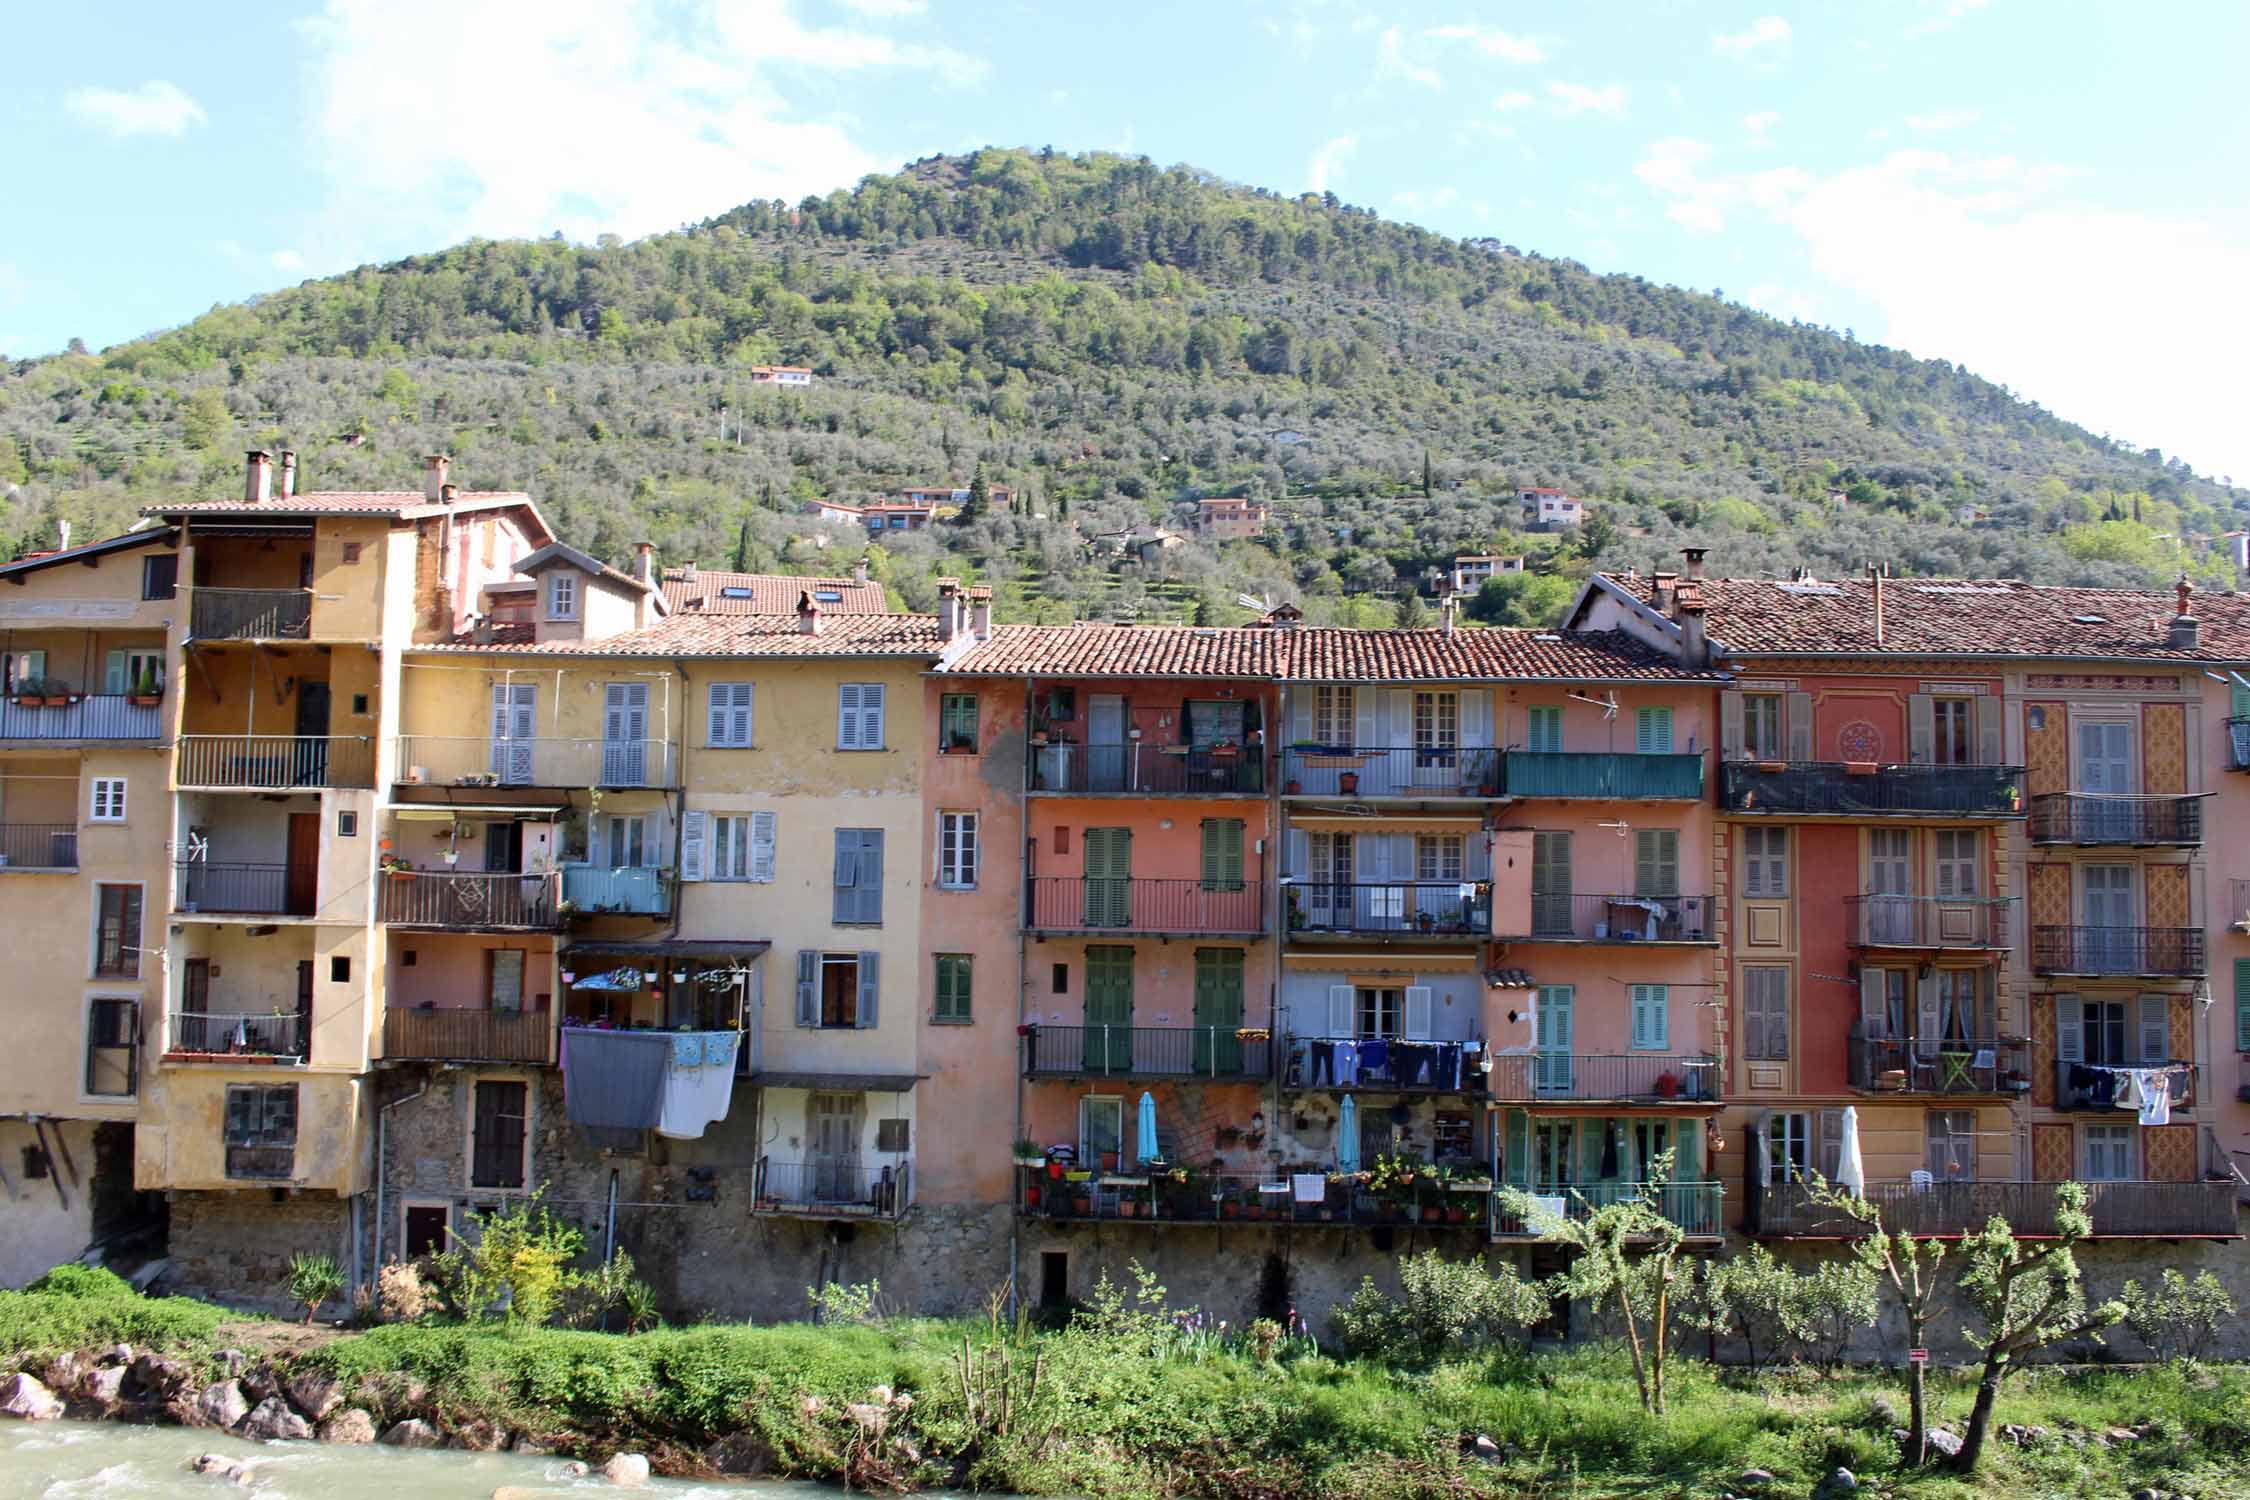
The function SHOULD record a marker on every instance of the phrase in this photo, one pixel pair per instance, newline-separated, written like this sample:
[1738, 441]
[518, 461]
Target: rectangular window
[892, 1136]
[1765, 1013]
[957, 851]
[347, 823]
[2242, 1005]
[1788, 1146]
[1652, 1017]
[2103, 1023]
[730, 848]
[839, 991]
[1652, 731]
[339, 969]
[1439, 857]
[23, 667]
[1437, 721]
[113, 1035]
[1379, 1012]
[117, 932]
[2109, 1152]
[140, 673]
[1955, 734]
[1956, 863]
[109, 800]
[953, 972]
[261, 1131]
[1334, 724]
[160, 576]
[497, 1135]
[1960, 1009]
[1543, 729]
[1765, 862]
[562, 596]
[1212, 721]
[1060, 979]
[1761, 726]
[728, 725]
[1656, 861]
[859, 716]
[859, 877]
[1222, 854]
[625, 844]
[957, 723]
[1953, 1144]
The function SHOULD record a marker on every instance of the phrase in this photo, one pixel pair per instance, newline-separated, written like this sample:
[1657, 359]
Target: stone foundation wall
[236, 1247]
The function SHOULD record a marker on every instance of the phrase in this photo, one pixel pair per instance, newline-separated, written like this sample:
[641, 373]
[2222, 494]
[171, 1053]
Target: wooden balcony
[2120, 1210]
[448, 1034]
[1841, 789]
[249, 614]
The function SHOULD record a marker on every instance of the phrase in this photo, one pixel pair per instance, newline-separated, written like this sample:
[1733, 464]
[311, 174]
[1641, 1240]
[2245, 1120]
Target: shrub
[71, 1279]
[313, 1279]
[1445, 1307]
[518, 1265]
[846, 1302]
[403, 1294]
[2179, 1318]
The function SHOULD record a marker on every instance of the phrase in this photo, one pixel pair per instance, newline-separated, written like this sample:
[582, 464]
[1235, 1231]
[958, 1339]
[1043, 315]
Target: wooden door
[302, 877]
[835, 1148]
[514, 721]
[303, 1047]
[1550, 884]
[1890, 905]
[2105, 771]
[1109, 1010]
[1218, 1011]
[311, 758]
[1109, 870]
[624, 734]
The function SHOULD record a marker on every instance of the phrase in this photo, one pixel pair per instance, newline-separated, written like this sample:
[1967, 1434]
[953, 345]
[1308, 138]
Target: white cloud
[155, 108]
[888, 9]
[625, 117]
[1761, 122]
[1946, 16]
[1761, 35]
[1391, 62]
[1492, 42]
[1966, 258]
[1579, 98]
[1512, 99]
[286, 260]
[1320, 172]
[1943, 119]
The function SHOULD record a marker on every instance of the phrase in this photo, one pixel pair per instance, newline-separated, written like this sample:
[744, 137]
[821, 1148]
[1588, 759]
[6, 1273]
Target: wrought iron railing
[625, 890]
[96, 716]
[1886, 921]
[276, 761]
[259, 889]
[2169, 951]
[1636, 1077]
[1942, 1206]
[1160, 1194]
[472, 760]
[449, 1034]
[1842, 788]
[1568, 916]
[1130, 904]
[1693, 1206]
[38, 846]
[1428, 908]
[1604, 775]
[249, 614]
[1939, 1065]
[2086, 818]
[431, 898]
[1390, 771]
[1146, 1052]
[219, 1034]
[1146, 768]
[1383, 1065]
[825, 1189]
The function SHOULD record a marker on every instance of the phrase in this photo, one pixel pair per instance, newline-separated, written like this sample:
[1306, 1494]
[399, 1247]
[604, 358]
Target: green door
[1218, 1012]
[1109, 1010]
[1109, 870]
[1550, 884]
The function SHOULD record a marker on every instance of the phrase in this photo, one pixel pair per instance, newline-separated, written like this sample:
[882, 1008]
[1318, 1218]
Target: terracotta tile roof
[1090, 650]
[708, 635]
[1436, 656]
[342, 503]
[1964, 617]
[769, 593]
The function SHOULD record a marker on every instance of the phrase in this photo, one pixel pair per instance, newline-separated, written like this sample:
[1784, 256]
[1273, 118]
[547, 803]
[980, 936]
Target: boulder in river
[626, 1468]
[22, 1396]
[221, 1404]
[351, 1425]
[273, 1421]
[414, 1433]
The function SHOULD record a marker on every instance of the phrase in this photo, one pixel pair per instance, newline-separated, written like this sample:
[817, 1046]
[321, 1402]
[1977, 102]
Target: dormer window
[562, 596]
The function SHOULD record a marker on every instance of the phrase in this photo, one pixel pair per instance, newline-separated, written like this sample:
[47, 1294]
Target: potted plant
[148, 690]
[1029, 1154]
[1347, 782]
[1126, 1207]
[1031, 1194]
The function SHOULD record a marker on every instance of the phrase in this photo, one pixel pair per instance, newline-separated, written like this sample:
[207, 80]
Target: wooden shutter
[1921, 729]
[1420, 1008]
[1652, 731]
[1926, 1023]
[847, 716]
[1402, 716]
[1652, 1028]
[1874, 1014]
[763, 827]
[845, 880]
[1687, 1150]
[1301, 715]
[2155, 1029]
[2242, 1005]
[730, 716]
[1222, 854]
[870, 987]
[2070, 1029]
[1367, 732]
[695, 835]
[1475, 718]
[1656, 862]
[870, 882]
[1550, 862]
[808, 987]
[1828, 1153]
[1991, 745]
[1731, 737]
[1797, 725]
[1341, 1021]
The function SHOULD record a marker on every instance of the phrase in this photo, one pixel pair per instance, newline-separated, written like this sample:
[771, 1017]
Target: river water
[115, 1461]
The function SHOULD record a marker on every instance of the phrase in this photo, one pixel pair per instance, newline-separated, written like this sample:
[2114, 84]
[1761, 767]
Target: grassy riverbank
[1122, 1404]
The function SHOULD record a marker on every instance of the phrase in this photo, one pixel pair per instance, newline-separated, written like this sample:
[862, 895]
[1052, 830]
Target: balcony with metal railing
[1689, 1079]
[1382, 1065]
[471, 902]
[274, 762]
[1366, 772]
[264, 890]
[1940, 1208]
[1582, 917]
[2147, 952]
[1460, 1198]
[480, 760]
[1879, 920]
[218, 1036]
[1938, 1066]
[1142, 768]
[456, 1034]
[104, 717]
[38, 846]
[1604, 776]
[616, 890]
[831, 1190]
[1437, 909]
[1844, 789]
[2097, 820]
[1131, 906]
[1182, 1053]
[249, 614]
[1693, 1206]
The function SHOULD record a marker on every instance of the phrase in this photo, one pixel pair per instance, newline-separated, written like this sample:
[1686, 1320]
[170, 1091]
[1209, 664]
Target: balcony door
[1218, 1011]
[1109, 1010]
[1550, 884]
[301, 874]
[2105, 771]
[1106, 749]
[1109, 877]
[1890, 885]
[514, 717]
[1328, 895]
[625, 734]
[834, 1138]
[311, 758]
[2109, 940]
[1101, 1131]
[1557, 1002]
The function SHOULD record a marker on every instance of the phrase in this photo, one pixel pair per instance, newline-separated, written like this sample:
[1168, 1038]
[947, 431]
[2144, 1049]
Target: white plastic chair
[1920, 1180]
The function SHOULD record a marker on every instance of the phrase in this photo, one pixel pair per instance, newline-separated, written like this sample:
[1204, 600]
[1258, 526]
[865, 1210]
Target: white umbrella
[1851, 1171]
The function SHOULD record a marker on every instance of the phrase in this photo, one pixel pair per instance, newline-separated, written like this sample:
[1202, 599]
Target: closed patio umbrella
[1347, 1135]
[1851, 1171]
[1148, 1127]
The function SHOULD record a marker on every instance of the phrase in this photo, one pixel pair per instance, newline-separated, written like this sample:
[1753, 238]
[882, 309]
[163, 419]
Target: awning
[1394, 962]
[1388, 825]
[840, 1083]
[660, 948]
[421, 814]
[444, 801]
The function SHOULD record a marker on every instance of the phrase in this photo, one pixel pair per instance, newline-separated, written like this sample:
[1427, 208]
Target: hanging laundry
[2155, 1085]
[2128, 1095]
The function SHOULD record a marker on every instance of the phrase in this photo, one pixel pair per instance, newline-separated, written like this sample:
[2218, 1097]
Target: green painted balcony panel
[1605, 776]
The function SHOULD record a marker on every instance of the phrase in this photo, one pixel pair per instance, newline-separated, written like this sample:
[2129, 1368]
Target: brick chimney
[257, 476]
[951, 609]
[2187, 632]
[1660, 591]
[288, 473]
[644, 561]
[808, 614]
[433, 477]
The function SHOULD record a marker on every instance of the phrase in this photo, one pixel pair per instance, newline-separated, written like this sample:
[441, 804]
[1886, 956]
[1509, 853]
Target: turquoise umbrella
[1148, 1127]
[1347, 1135]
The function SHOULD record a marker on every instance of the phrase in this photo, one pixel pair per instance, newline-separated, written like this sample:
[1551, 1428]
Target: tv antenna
[1606, 703]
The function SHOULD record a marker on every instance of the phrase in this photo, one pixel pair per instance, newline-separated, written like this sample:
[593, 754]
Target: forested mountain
[1112, 340]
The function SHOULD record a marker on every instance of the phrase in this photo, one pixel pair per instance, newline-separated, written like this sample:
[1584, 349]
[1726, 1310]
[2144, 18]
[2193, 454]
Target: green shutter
[1544, 736]
[953, 975]
[1652, 1025]
[1652, 731]
[1222, 854]
[1517, 1168]
[2242, 1005]
[1218, 1012]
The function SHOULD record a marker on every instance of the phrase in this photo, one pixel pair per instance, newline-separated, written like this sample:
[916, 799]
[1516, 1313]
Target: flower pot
[1082, 1207]
[1348, 782]
[143, 700]
[1127, 1208]
[1432, 1214]
[1031, 1197]
[1292, 788]
[1230, 1210]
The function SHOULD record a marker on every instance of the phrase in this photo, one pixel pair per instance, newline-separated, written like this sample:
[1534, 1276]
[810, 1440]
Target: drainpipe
[1023, 993]
[382, 1124]
[609, 1224]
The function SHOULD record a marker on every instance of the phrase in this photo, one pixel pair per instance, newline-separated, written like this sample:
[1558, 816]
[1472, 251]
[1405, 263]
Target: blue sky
[2048, 192]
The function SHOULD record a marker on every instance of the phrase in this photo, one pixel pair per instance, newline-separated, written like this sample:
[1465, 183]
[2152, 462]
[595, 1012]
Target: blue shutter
[869, 987]
[870, 882]
[808, 987]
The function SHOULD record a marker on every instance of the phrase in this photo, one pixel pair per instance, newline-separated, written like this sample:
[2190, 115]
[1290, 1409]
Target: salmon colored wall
[1586, 729]
[1825, 866]
[1601, 1007]
[449, 969]
[1159, 853]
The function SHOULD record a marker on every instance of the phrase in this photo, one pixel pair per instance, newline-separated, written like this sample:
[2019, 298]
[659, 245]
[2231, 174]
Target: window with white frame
[1379, 1011]
[1333, 722]
[1956, 863]
[1788, 1146]
[1761, 726]
[729, 719]
[732, 846]
[562, 596]
[624, 844]
[1439, 856]
[1437, 720]
[957, 851]
[109, 800]
[1953, 1144]
[137, 672]
[1765, 862]
[2108, 1152]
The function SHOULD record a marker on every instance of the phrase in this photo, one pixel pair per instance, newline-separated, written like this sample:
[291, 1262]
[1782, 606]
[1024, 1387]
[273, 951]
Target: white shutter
[2156, 1029]
[2070, 1029]
[1476, 718]
[762, 830]
[808, 987]
[1797, 717]
[1730, 725]
[1366, 733]
[695, 830]
[1420, 1004]
[1341, 1022]
[1300, 854]
[1989, 748]
[1402, 717]
[1300, 715]
[1921, 729]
